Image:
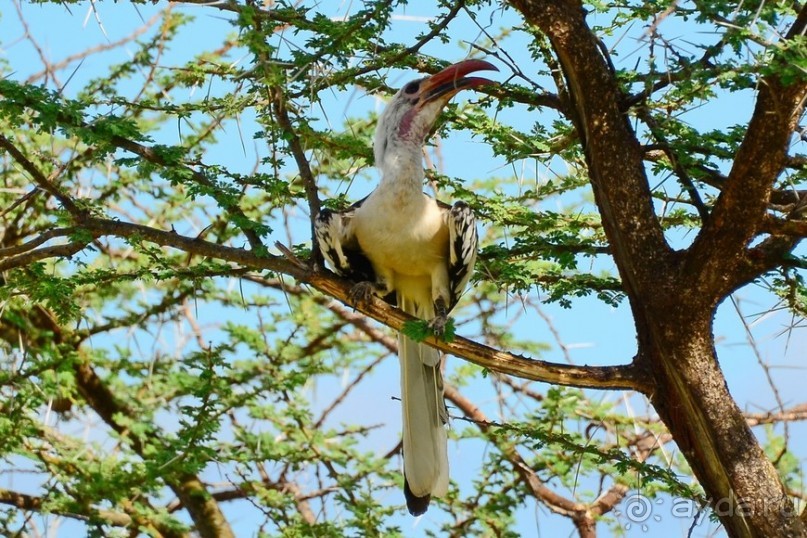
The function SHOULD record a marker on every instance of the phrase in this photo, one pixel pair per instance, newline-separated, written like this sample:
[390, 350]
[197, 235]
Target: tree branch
[56, 251]
[312, 194]
[204, 511]
[44, 183]
[33, 503]
[791, 414]
[147, 153]
[557, 503]
[613, 153]
[40, 239]
[629, 377]
[740, 210]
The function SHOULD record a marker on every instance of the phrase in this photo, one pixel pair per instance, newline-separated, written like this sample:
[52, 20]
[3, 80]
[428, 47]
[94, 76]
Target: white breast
[402, 232]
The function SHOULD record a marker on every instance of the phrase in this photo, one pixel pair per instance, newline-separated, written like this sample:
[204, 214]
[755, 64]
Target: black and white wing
[340, 248]
[332, 231]
[463, 244]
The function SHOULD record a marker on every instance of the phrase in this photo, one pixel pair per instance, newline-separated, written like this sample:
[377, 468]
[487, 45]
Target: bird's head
[410, 115]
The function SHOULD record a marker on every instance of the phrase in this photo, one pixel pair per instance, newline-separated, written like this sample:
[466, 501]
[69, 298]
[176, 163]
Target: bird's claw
[438, 325]
[361, 293]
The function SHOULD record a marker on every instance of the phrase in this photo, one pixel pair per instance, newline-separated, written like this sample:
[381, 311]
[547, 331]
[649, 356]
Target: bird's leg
[440, 295]
[440, 319]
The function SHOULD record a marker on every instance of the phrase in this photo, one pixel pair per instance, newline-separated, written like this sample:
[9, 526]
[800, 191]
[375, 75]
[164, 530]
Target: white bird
[401, 241]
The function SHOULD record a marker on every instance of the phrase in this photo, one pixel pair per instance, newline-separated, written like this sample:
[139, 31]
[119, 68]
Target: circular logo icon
[638, 510]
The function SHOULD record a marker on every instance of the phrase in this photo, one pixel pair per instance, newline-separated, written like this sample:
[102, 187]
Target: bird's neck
[402, 170]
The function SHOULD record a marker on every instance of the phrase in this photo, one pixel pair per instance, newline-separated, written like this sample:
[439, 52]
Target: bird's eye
[412, 87]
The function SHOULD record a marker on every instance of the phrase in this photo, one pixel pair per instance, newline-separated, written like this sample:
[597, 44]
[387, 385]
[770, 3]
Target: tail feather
[425, 449]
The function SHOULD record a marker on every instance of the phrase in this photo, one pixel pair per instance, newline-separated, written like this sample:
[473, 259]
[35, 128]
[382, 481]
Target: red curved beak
[452, 79]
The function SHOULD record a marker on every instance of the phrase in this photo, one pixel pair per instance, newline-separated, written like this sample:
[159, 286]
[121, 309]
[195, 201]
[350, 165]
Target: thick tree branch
[673, 303]
[40, 239]
[613, 153]
[741, 208]
[606, 377]
[792, 227]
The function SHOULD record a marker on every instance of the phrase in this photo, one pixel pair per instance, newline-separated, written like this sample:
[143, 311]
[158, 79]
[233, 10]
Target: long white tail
[424, 417]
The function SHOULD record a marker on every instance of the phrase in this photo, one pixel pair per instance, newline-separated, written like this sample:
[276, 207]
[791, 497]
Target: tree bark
[692, 398]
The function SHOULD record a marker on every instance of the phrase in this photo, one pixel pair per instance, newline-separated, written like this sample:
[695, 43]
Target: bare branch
[792, 414]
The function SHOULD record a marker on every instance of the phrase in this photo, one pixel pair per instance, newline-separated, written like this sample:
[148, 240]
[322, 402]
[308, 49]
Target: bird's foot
[438, 324]
[361, 292]
[440, 320]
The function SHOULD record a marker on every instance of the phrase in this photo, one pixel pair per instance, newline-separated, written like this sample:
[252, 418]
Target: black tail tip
[416, 505]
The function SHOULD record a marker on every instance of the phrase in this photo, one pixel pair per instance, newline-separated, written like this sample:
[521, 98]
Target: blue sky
[594, 332]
